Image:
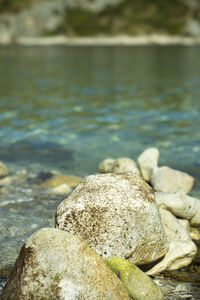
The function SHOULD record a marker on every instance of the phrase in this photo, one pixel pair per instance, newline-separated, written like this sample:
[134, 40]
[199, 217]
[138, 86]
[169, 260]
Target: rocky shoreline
[140, 40]
[132, 213]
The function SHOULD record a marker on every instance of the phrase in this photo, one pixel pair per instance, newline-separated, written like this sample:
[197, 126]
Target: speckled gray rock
[117, 215]
[148, 161]
[125, 164]
[106, 165]
[165, 179]
[3, 170]
[54, 264]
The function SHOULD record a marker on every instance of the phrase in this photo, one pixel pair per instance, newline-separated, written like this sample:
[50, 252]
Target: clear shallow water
[67, 108]
[98, 102]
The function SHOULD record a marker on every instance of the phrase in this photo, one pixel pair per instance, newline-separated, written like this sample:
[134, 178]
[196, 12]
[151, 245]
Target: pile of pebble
[130, 215]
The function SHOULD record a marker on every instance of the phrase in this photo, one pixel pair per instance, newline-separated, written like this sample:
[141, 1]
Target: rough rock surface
[54, 264]
[181, 248]
[139, 285]
[125, 164]
[117, 215]
[3, 170]
[147, 162]
[165, 179]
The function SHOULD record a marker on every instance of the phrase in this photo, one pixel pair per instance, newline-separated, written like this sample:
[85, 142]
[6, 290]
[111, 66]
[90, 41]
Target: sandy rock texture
[53, 264]
[117, 215]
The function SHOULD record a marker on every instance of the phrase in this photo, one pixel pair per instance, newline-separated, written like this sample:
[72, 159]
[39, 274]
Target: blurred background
[34, 18]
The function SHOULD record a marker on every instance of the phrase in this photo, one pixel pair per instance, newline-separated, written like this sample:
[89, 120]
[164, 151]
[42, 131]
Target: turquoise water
[70, 107]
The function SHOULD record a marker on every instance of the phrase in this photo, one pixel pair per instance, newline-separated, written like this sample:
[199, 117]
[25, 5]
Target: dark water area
[68, 108]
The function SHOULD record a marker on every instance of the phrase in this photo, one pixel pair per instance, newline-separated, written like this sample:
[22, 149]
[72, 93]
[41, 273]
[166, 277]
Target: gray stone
[53, 264]
[117, 215]
[165, 179]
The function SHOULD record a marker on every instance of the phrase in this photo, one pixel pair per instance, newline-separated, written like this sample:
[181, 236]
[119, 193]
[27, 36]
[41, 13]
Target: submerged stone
[117, 215]
[53, 264]
[59, 179]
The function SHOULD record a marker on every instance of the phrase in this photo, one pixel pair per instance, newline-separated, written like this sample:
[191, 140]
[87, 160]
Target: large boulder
[117, 215]
[165, 179]
[54, 264]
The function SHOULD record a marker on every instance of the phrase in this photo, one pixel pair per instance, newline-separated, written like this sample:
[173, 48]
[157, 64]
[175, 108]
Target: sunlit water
[67, 108]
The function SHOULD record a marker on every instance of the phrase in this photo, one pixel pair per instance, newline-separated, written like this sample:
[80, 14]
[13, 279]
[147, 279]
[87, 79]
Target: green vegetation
[127, 17]
[13, 5]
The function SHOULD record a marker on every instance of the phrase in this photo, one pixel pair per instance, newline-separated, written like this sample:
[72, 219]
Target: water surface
[67, 108]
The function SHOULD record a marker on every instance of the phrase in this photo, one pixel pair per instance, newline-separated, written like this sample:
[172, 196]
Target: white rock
[106, 165]
[147, 162]
[165, 179]
[117, 215]
[125, 164]
[180, 205]
[54, 264]
[181, 248]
